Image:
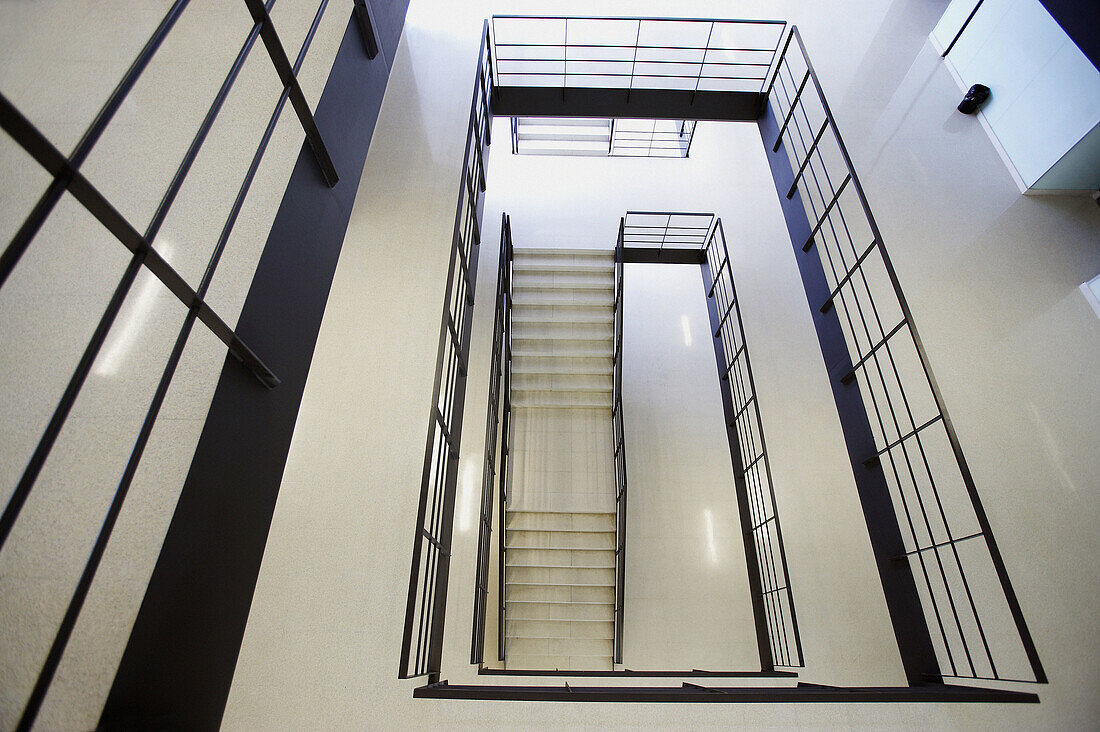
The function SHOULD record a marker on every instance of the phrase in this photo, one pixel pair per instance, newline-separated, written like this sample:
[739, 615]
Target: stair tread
[510, 583]
[560, 548]
[608, 619]
[554, 566]
[595, 266]
[561, 602]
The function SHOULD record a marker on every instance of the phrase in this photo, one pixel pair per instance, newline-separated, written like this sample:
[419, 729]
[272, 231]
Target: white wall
[1045, 92]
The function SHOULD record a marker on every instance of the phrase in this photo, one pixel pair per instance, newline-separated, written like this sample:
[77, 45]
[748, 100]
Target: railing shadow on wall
[977, 626]
[422, 639]
[496, 468]
[68, 178]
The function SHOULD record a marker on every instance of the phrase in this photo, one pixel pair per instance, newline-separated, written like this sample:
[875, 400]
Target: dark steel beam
[531, 101]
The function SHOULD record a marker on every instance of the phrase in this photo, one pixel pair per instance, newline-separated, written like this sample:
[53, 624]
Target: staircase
[560, 522]
[562, 323]
[563, 136]
[560, 590]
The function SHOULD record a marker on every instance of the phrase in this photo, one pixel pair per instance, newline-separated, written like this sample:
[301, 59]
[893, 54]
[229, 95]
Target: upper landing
[655, 68]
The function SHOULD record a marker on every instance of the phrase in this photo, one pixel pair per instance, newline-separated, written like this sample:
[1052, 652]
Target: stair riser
[559, 629]
[558, 647]
[557, 593]
[559, 663]
[561, 382]
[561, 576]
[560, 521]
[562, 330]
[564, 278]
[562, 557]
[557, 297]
[561, 539]
[557, 611]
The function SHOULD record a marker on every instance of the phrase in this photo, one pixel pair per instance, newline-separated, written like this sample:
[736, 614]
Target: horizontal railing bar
[752, 464]
[825, 214]
[540, 60]
[446, 432]
[635, 19]
[718, 275]
[773, 590]
[722, 322]
[696, 214]
[809, 155]
[768, 519]
[457, 343]
[847, 378]
[733, 361]
[874, 458]
[742, 409]
[465, 267]
[434, 542]
[790, 112]
[939, 545]
[601, 74]
[627, 231]
[290, 81]
[847, 276]
[49, 199]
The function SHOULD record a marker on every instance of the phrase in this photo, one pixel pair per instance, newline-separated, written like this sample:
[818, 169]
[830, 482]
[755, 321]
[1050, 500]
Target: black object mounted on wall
[975, 97]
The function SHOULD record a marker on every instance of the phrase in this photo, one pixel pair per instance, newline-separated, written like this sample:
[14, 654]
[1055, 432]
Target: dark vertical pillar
[178, 664]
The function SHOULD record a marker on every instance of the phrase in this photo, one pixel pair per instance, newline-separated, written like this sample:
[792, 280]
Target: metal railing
[497, 426]
[651, 138]
[690, 54]
[978, 627]
[68, 178]
[422, 640]
[752, 468]
[619, 443]
[666, 230]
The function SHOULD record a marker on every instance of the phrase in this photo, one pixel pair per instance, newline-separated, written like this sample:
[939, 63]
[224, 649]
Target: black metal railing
[141, 243]
[690, 54]
[651, 138]
[497, 426]
[422, 641]
[752, 470]
[619, 443]
[977, 626]
[666, 230]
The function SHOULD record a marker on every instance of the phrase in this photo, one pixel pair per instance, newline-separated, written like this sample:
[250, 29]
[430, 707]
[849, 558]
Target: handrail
[425, 610]
[763, 532]
[619, 456]
[495, 470]
[920, 486]
[67, 177]
[737, 55]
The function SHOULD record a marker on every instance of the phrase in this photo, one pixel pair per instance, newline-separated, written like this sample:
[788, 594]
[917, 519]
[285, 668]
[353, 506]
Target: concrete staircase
[560, 590]
[562, 323]
[563, 136]
[560, 523]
